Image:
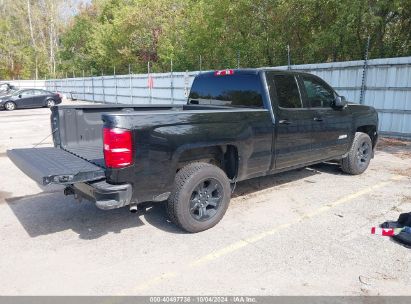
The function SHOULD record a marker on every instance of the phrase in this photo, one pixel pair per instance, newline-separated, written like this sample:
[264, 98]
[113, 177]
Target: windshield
[15, 92]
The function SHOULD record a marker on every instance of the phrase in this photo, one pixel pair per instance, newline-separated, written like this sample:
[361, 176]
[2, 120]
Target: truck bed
[93, 154]
[78, 155]
[78, 129]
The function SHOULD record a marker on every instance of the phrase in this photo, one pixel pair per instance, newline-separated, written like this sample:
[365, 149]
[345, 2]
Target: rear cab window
[240, 89]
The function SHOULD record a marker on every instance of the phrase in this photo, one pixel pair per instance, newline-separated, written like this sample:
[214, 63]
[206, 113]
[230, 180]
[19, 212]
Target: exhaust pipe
[133, 208]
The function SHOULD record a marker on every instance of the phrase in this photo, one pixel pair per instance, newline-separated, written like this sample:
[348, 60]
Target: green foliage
[29, 33]
[117, 33]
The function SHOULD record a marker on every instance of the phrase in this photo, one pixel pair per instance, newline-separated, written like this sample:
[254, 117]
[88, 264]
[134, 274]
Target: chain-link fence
[131, 89]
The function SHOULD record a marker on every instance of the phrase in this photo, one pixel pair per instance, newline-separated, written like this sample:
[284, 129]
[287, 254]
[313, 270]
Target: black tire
[50, 103]
[359, 156]
[10, 106]
[200, 197]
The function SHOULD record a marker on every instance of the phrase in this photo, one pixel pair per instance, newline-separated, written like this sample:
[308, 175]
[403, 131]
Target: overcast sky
[70, 7]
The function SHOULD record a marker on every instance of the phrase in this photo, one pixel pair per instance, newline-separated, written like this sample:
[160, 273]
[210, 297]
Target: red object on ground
[383, 231]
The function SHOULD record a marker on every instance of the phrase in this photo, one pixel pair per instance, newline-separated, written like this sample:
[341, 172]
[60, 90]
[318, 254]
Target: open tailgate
[54, 166]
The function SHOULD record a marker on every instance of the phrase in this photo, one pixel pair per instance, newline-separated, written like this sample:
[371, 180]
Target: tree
[29, 37]
[45, 35]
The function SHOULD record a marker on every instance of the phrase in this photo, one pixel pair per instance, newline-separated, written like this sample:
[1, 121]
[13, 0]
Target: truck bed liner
[92, 153]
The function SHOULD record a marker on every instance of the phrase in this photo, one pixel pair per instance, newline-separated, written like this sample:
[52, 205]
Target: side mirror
[340, 102]
[20, 96]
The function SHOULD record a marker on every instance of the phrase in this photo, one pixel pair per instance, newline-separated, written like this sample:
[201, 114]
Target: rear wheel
[10, 106]
[359, 156]
[50, 103]
[200, 197]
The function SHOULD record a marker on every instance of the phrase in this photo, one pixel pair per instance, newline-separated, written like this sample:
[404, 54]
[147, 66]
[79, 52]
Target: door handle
[284, 122]
[318, 119]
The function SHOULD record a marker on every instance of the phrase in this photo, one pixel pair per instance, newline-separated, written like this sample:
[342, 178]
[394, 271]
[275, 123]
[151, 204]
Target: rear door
[39, 98]
[293, 121]
[331, 126]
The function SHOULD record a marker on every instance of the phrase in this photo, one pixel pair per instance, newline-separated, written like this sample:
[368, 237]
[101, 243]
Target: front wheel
[50, 103]
[359, 156]
[10, 106]
[200, 197]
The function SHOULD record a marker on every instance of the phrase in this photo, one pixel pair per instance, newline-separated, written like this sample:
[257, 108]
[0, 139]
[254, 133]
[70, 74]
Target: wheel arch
[371, 131]
[225, 156]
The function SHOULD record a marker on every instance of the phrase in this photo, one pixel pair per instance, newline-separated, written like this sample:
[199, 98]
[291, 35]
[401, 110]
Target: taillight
[118, 147]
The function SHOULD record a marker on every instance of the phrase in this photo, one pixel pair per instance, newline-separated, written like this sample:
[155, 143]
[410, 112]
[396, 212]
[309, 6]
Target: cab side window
[26, 93]
[38, 92]
[318, 93]
[284, 89]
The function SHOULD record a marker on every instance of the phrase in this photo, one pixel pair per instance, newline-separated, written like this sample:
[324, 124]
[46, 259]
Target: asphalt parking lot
[304, 232]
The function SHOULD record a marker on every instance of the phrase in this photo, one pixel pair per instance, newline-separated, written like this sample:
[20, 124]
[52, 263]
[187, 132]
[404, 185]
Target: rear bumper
[106, 196]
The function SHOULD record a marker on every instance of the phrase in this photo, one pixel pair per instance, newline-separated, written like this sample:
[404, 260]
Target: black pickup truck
[236, 125]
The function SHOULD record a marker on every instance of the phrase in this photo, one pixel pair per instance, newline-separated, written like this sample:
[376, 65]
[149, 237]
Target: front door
[331, 126]
[293, 121]
[25, 99]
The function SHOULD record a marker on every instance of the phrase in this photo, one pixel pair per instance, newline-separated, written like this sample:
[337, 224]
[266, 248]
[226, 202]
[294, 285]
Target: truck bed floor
[92, 153]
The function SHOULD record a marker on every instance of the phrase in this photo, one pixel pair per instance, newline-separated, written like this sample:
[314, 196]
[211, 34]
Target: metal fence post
[66, 85]
[102, 85]
[288, 57]
[186, 84]
[84, 86]
[131, 83]
[115, 84]
[149, 81]
[92, 87]
[172, 82]
[364, 73]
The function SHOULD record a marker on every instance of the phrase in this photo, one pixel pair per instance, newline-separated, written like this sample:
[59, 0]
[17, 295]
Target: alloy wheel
[206, 199]
[363, 154]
